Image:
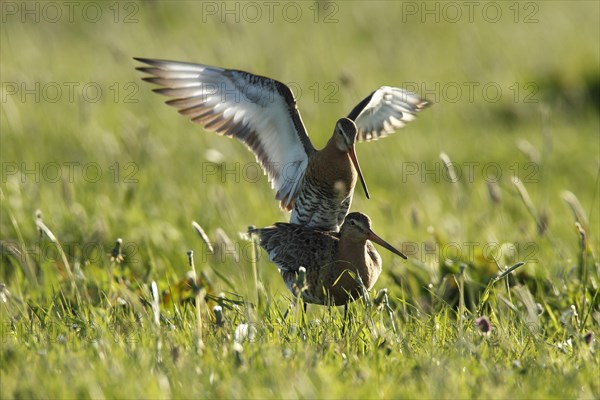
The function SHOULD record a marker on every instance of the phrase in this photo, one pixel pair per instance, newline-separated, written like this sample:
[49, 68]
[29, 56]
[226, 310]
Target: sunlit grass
[80, 321]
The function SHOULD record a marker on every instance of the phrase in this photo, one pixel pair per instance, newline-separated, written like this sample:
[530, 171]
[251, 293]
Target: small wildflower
[218, 311]
[115, 254]
[244, 332]
[300, 284]
[483, 324]
[155, 303]
[566, 345]
[38, 219]
[190, 255]
[301, 276]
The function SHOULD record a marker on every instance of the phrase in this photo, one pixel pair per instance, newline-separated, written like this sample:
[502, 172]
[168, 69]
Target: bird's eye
[352, 222]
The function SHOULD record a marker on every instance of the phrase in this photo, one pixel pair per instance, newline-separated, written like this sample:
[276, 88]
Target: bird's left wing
[384, 111]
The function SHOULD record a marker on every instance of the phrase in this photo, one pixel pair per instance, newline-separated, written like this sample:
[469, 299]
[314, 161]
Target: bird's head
[357, 227]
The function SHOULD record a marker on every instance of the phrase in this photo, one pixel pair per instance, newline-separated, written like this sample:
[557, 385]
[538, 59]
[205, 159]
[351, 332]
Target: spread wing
[384, 111]
[258, 111]
[292, 246]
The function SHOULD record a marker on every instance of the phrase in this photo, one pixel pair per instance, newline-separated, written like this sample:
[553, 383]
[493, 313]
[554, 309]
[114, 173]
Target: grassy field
[502, 170]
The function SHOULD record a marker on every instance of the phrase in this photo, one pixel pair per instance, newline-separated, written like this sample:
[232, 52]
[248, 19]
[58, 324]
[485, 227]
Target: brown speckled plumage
[335, 262]
[317, 186]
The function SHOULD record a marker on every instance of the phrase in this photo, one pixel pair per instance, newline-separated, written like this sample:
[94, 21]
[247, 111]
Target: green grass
[78, 324]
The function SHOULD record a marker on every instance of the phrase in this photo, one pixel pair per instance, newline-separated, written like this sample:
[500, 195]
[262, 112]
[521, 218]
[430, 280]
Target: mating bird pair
[315, 185]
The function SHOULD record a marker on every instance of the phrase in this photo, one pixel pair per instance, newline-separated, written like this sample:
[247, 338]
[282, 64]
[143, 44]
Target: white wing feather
[258, 111]
[386, 110]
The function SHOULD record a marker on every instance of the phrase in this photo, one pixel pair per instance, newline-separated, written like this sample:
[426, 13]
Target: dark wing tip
[163, 91]
[360, 106]
[151, 79]
[156, 62]
[148, 61]
[146, 70]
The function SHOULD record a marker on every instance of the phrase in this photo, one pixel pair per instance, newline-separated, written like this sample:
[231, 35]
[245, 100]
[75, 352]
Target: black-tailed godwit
[339, 265]
[316, 185]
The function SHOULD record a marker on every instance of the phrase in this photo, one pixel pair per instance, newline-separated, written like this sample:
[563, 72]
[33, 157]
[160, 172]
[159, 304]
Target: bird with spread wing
[316, 185]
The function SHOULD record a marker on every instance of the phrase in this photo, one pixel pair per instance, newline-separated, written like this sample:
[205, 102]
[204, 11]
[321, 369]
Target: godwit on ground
[339, 265]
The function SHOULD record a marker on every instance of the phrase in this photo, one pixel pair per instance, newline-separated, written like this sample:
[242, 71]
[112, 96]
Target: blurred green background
[515, 88]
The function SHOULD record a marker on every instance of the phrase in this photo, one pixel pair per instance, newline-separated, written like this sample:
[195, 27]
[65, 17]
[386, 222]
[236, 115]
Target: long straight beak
[357, 166]
[374, 238]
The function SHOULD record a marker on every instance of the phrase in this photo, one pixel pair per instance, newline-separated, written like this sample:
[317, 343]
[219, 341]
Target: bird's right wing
[384, 111]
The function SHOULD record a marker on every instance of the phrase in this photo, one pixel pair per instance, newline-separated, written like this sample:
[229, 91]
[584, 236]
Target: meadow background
[89, 154]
